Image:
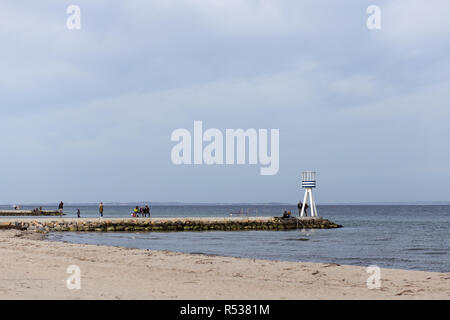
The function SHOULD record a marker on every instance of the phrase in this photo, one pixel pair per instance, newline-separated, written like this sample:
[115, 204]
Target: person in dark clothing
[78, 213]
[299, 206]
[286, 214]
[61, 207]
[306, 208]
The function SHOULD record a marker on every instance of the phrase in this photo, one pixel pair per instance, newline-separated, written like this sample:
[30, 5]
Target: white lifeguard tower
[308, 183]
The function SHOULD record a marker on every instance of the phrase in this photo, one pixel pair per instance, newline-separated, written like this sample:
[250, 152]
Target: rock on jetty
[167, 224]
[29, 213]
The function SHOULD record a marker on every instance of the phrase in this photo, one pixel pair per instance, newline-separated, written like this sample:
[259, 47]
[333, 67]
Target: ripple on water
[435, 253]
[441, 251]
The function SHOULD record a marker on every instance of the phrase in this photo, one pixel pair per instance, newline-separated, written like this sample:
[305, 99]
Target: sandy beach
[33, 268]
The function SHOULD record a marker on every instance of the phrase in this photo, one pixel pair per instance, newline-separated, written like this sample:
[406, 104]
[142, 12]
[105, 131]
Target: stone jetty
[13, 213]
[165, 224]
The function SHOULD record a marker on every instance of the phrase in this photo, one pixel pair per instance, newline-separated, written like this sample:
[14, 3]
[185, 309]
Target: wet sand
[33, 268]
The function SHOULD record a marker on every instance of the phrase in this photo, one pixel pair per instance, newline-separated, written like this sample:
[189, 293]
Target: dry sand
[31, 268]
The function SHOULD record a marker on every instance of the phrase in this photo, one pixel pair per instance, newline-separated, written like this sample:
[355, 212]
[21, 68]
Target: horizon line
[167, 203]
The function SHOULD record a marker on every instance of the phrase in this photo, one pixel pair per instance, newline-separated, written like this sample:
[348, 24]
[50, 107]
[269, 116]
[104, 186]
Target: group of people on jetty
[137, 211]
[300, 205]
[142, 211]
[145, 211]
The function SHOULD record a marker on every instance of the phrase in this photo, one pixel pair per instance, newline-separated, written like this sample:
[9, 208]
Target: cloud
[99, 104]
[415, 22]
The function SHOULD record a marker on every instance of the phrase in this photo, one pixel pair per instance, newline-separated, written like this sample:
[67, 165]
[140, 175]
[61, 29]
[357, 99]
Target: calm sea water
[406, 237]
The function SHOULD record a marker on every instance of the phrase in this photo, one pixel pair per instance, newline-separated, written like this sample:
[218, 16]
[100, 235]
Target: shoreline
[35, 268]
[45, 237]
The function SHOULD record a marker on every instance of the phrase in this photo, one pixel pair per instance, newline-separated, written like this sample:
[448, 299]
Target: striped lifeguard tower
[308, 183]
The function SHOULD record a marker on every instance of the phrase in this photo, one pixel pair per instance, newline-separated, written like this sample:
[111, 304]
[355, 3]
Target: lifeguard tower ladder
[308, 183]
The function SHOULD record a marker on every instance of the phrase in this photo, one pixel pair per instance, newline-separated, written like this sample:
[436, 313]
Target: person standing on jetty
[299, 206]
[78, 213]
[100, 209]
[61, 207]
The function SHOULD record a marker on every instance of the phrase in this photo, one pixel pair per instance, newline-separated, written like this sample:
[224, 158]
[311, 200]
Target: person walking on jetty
[100, 209]
[78, 213]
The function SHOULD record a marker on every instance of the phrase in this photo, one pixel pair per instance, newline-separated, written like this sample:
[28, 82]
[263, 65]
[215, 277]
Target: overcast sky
[86, 115]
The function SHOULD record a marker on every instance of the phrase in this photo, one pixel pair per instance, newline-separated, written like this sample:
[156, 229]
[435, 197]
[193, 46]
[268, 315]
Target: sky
[87, 115]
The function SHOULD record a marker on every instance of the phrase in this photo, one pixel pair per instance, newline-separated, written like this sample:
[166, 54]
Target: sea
[413, 237]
